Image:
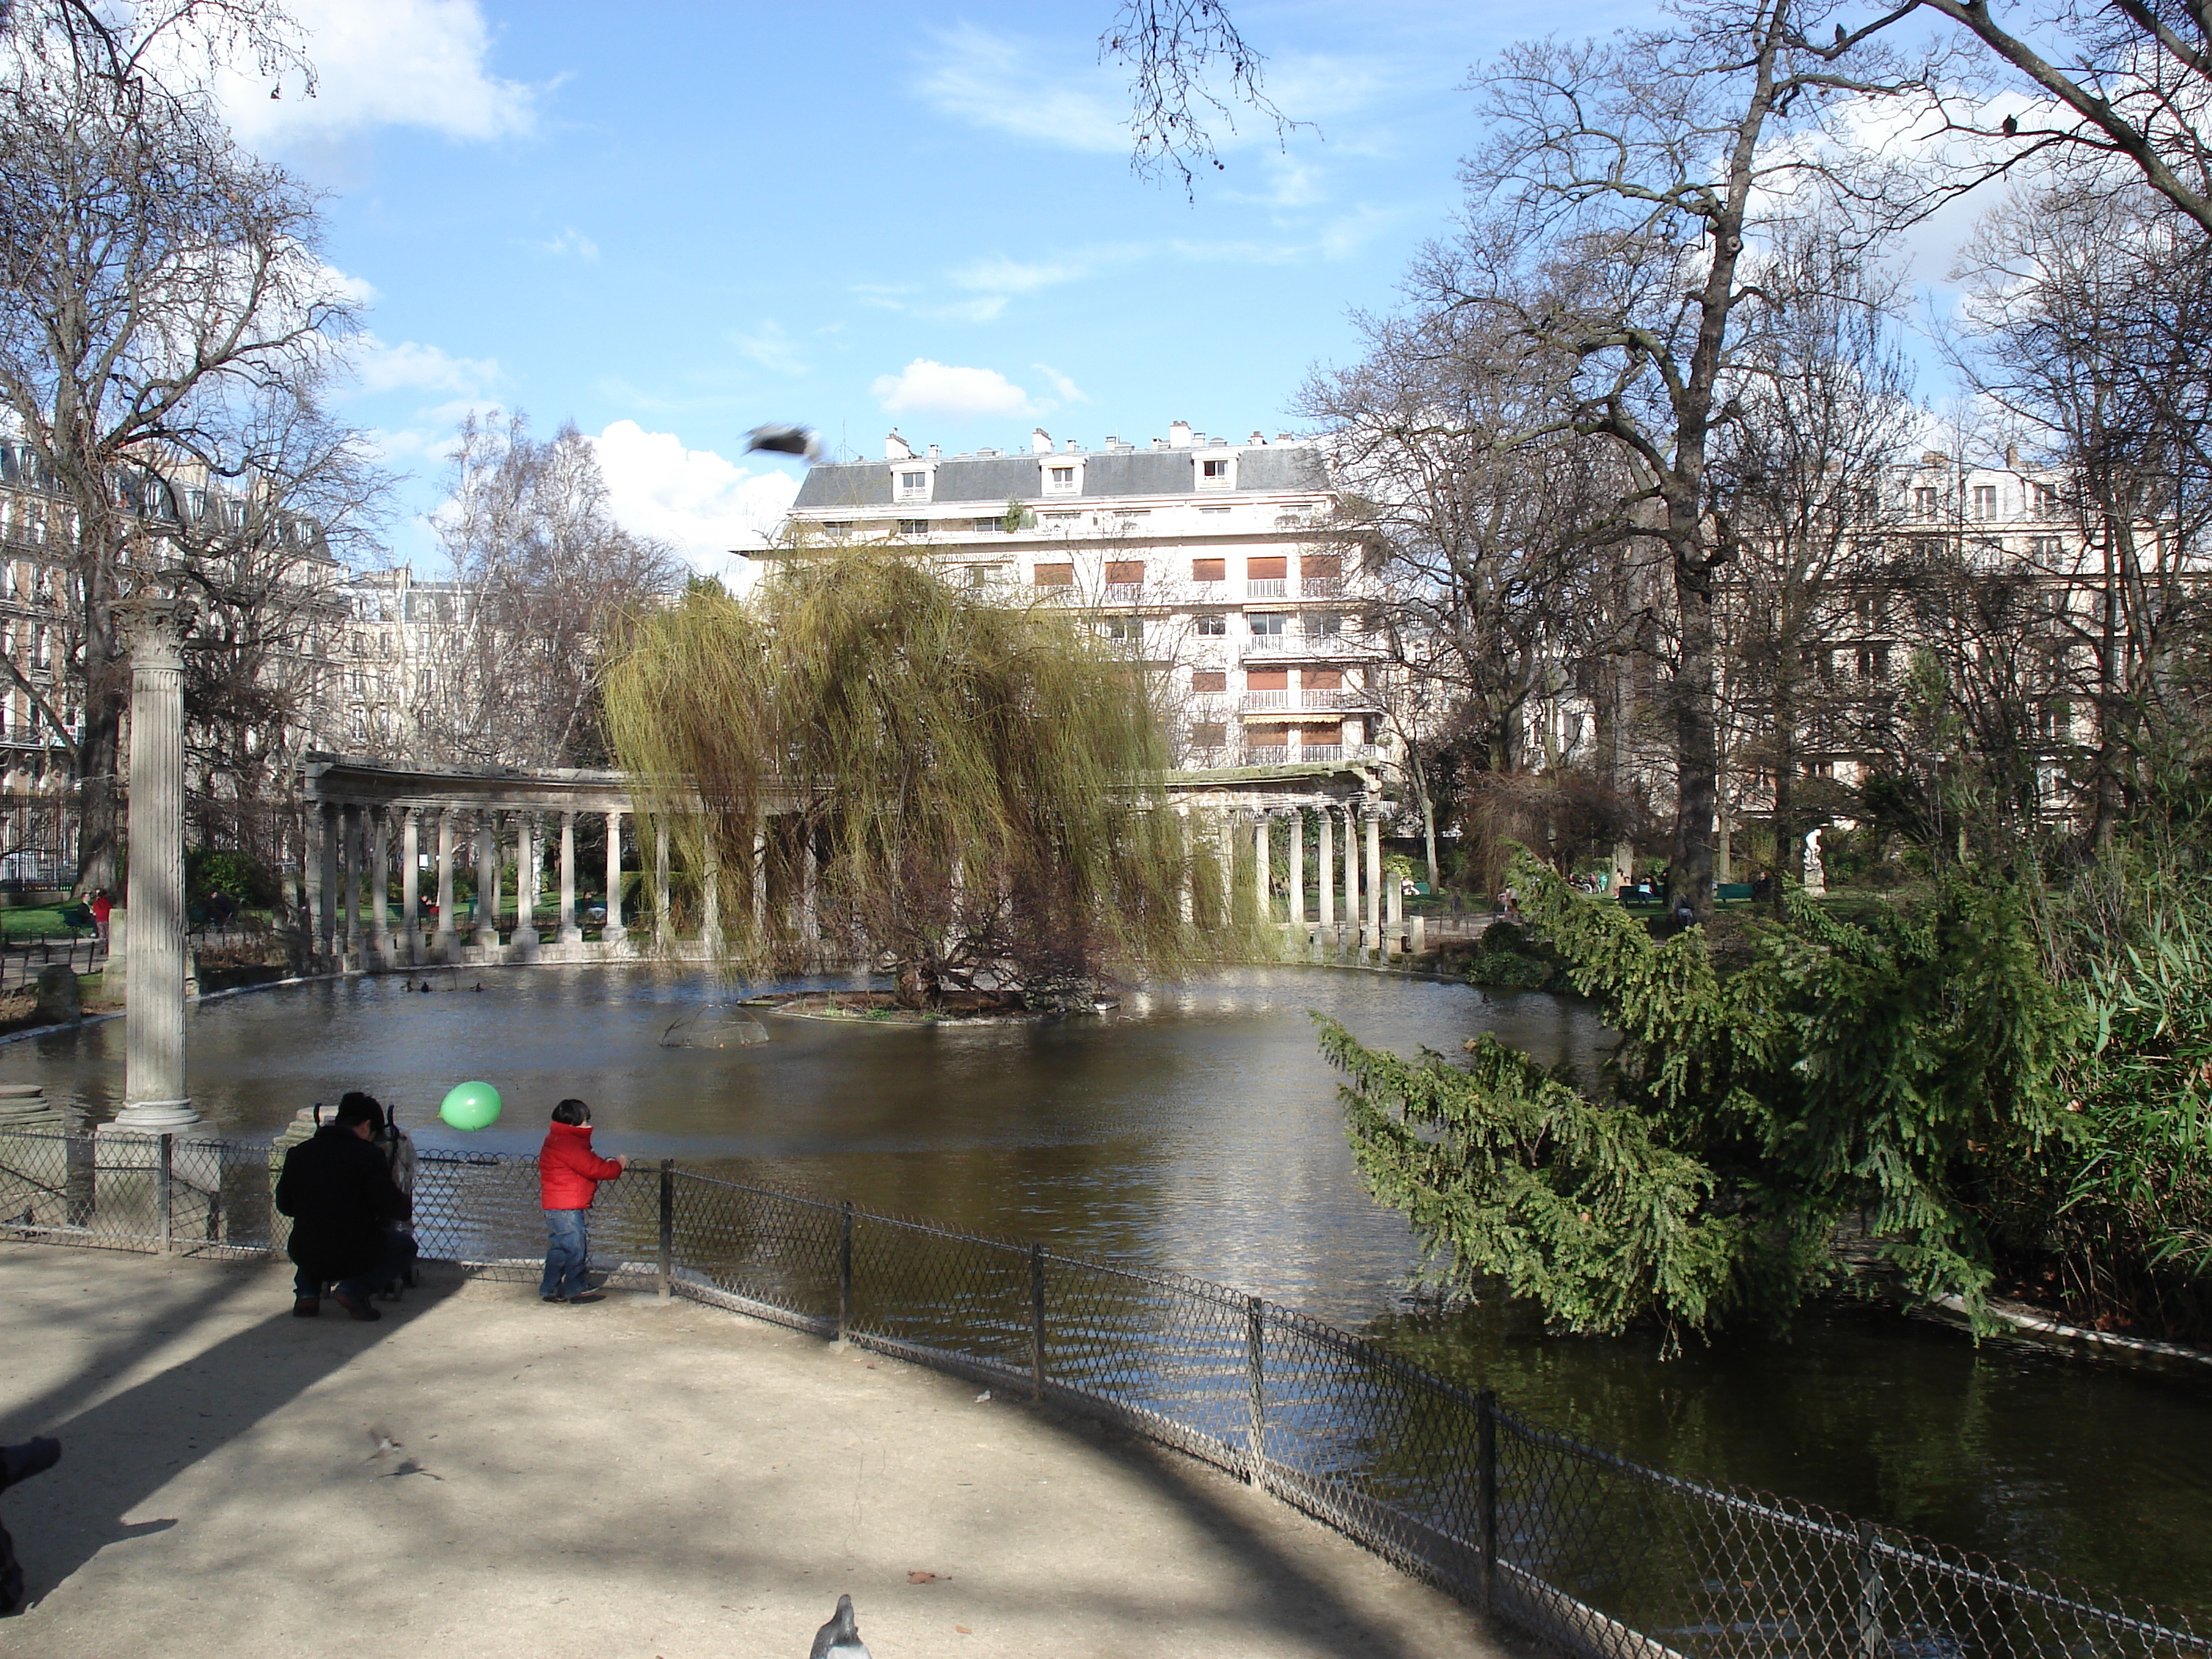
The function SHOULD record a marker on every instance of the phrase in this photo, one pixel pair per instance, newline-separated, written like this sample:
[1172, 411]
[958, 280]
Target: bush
[237, 875]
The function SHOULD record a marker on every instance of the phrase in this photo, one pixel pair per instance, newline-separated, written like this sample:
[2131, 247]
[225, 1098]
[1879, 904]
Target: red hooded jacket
[569, 1170]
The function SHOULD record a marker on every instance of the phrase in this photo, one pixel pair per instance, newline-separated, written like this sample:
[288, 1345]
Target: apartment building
[1205, 556]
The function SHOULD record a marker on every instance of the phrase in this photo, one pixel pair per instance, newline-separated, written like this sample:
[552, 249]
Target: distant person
[348, 1213]
[1762, 887]
[20, 1463]
[101, 908]
[569, 1176]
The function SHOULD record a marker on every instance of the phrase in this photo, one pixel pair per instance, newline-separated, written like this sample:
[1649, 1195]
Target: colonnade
[1356, 911]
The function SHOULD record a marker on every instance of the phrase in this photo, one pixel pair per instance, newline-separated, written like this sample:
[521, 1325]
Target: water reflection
[1196, 1129]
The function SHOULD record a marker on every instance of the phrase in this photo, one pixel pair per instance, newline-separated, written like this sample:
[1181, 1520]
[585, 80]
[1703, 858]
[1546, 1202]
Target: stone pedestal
[34, 1159]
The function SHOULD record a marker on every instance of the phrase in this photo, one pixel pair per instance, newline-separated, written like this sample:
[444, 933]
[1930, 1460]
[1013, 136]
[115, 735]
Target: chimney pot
[1072, 448]
[1040, 442]
[1179, 435]
[1259, 437]
[932, 452]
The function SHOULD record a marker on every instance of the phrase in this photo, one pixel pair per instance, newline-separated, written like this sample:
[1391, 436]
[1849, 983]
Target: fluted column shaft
[1326, 866]
[1296, 880]
[154, 1068]
[570, 932]
[487, 880]
[380, 879]
[411, 883]
[614, 931]
[449, 936]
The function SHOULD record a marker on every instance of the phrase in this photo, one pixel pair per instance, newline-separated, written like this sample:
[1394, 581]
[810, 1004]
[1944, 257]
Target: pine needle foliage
[1888, 1079]
[977, 784]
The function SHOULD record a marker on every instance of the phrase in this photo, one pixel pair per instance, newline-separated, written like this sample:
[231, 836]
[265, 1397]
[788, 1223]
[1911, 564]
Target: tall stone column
[526, 880]
[447, 939]
[1374, 817]
[1189, 890]
[1225, 845]
[379, 884]
[1326, 864]
[663, 928]
[614, 932]
[710, 895]
[759, 882]
[487, 880]
[1352, 867]
[569, 934]
[1297, 879]
[411, 884]
[810, 897]
[154, 1097]
[350, 882]
[1263, 875]
[312, 886]
[327, 935]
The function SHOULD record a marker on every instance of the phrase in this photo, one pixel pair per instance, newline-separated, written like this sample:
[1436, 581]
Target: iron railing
[1603, 1556]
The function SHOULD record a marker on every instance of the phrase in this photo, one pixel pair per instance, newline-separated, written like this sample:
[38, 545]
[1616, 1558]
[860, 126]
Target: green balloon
[471, 1106]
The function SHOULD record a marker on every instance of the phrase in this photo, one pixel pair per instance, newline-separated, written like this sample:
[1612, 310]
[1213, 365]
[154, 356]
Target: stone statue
[1816, 874]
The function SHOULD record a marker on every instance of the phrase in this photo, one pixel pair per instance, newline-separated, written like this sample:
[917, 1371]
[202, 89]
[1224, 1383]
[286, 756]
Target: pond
[1196, 1129]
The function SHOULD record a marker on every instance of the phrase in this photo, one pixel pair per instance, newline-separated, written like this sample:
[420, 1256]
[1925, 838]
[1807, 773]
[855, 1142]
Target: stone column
[526, 880]
[570, 933]
[1189, 891]
[1394, 896]
[411, 884]
[1297, 879]
[327, 921]
[614, 932]
[1352, 868]
[349, 888]
[487, 880]
[810, 873]
[312, 887]
[379, 884]
[154, 1095]
[447, 939]
[1326, 865]
[1374, 817]
[1225, 841]
[1263, 874]
[663, 929]
[760, 883]
[710, 894]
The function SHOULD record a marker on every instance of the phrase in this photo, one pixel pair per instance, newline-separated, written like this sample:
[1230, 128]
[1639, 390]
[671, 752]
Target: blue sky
[673, 223]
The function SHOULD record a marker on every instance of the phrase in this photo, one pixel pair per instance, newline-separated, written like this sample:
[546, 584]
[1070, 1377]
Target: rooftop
[1165, 467]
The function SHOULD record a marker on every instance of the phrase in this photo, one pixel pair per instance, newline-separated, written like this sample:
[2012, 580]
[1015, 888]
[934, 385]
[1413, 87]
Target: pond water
[1196, 1129]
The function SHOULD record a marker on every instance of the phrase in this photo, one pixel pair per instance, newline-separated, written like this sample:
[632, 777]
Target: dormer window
[914, 486]
[1214, 472]
[1060, 480]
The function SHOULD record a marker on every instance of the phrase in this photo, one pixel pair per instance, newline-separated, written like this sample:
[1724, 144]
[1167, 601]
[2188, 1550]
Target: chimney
[2012, 456]
[1072, 448]
[1282, 437]
[896, 448]
[1039, 442]
[1159, 443]
[1112, 442]
[1259, 438]
[1933, 458]
[1179, 435]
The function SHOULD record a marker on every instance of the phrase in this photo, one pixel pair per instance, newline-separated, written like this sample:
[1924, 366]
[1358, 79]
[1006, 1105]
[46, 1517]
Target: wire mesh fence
[1601, 1555]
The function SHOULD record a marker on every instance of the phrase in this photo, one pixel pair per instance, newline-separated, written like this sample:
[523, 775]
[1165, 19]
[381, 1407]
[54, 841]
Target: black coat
[339, 1192]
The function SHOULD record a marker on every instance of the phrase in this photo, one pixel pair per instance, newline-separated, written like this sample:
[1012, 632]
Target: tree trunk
[1697, 749]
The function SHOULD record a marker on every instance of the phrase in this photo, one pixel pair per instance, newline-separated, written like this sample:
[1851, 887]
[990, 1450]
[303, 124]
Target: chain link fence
[1599, 1555]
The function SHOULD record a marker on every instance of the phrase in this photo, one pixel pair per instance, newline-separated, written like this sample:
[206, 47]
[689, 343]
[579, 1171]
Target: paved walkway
[630, 1478]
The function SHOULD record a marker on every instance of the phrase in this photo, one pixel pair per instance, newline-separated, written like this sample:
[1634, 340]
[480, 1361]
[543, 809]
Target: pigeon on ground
[782, 440]
[840, 1637]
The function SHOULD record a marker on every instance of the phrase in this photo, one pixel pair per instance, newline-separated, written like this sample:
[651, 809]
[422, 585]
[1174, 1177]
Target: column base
[153, 1117]
[445, 946]
[525, 934]
[613, 933]
[571, 934]
[487, 938]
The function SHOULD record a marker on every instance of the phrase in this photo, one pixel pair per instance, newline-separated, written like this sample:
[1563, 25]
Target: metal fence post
[164, 1201]
[1486, 1420]
[844, 1267]
[1255, 1391]
[1036, 1321]
[1869, 1642]
[667, 1228]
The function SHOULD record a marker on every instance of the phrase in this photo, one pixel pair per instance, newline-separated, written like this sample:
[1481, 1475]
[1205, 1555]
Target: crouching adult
[347, 1214]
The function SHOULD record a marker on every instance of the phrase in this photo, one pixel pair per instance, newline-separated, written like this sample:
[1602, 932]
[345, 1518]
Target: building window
[2046, 547]
[1213, 474]
[987, 526]
[1209, 679]
[1063, 520]
[1926, 503]
[914, 526]
[1213, 628]
[1131, 628]
[837, 529]
[1125, 572]
[1060, 480]
[1208, 734]
[1214, 512]
[1985, 502]
[1209, 570]
[1324, 624]
[914, 486]
[1055, 575]
[2046, 500]
[1268, 624]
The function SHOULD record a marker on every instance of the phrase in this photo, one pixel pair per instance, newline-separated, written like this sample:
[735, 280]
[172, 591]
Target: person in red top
[101, 907]
[569, 1176]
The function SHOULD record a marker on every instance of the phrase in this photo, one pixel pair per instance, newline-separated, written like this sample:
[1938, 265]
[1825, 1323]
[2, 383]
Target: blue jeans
[568, 1253]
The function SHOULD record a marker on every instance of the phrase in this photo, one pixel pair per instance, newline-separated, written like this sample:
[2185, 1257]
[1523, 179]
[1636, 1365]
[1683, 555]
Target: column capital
[156, 624]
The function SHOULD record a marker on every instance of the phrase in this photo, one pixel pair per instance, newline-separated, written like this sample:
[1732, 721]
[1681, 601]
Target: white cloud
[572, 240]
[383, 62]
[1000, 275]
[924, 386]
[412, 366]
[704, 504]
[1069, 391]
[770, 348]
[992, 81]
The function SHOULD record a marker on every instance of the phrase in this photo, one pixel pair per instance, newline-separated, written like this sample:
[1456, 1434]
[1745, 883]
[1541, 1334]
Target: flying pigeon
[840, 1637]
[801, 440]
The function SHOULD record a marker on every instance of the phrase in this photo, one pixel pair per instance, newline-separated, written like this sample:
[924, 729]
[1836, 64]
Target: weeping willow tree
[970, 792]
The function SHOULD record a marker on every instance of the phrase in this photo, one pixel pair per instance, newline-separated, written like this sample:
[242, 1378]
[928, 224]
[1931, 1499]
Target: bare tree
[153, 280]
[544, 571]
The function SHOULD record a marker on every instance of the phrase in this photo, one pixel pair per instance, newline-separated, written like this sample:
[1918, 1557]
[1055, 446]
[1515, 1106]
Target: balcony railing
[1259, 702]
[1267, 587]
[28, 737]
[1321, 587]
[1278, 754]
[1124, 593]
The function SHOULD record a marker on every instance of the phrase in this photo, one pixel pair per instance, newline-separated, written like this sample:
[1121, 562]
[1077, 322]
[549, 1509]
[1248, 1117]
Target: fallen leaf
[921, 1579]
[963, 1630]
[983, 1396]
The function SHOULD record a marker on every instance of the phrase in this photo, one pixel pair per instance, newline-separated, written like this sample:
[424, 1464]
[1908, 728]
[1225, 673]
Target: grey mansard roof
[1105, 473]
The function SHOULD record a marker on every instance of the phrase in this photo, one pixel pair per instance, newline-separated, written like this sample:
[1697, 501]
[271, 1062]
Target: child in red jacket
[569, 1176]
